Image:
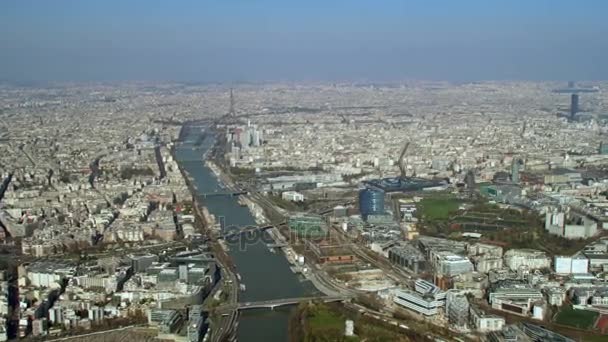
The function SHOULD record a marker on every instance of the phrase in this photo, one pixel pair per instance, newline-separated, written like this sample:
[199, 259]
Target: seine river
[265, 274]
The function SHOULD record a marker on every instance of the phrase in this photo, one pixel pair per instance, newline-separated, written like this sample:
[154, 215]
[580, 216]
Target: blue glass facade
[371, 202]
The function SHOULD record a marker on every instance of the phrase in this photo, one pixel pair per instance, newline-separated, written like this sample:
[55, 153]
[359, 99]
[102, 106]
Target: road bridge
[226, 194]
[273, 303]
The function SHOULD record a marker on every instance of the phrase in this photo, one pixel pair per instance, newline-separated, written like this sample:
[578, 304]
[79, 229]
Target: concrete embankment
[255, 209]
[223, 177]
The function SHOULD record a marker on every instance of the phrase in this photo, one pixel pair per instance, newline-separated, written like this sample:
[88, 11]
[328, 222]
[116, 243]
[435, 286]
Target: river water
[266, 275]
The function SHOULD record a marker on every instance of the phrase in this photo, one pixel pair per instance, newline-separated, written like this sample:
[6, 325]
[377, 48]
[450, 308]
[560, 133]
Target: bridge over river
[273, 303]
[226, 194]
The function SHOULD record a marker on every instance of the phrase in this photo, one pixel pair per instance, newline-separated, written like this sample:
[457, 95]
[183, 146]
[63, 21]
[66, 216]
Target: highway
[224, 329]
[102, 332]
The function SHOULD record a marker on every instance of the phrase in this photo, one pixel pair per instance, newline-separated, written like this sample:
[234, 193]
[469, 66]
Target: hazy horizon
[271, 41]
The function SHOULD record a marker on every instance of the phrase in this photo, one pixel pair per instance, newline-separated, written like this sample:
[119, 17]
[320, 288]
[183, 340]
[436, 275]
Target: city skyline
[286, 171]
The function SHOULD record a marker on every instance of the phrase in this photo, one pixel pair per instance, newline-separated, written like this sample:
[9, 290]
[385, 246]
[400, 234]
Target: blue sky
[303, 40]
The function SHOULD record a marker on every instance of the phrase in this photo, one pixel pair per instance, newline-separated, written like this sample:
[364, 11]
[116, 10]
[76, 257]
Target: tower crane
[401, 157]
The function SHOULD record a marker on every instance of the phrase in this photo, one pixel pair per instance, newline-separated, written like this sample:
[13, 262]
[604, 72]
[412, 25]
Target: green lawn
[581, 319]
[438, 208]
[326, 325]
[323, 318]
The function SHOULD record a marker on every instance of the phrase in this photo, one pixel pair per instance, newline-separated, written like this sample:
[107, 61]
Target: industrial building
[308, 226]
[404, 184]
[301, 182]
[330, 254]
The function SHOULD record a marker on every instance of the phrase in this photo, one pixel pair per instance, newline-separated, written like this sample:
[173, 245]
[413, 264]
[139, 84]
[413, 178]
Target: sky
[303, 40]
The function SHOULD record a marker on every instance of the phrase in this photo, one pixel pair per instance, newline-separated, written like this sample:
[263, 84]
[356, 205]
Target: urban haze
[303, 171]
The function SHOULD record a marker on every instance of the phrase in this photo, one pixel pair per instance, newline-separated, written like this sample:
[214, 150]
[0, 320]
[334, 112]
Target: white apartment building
[533, 259]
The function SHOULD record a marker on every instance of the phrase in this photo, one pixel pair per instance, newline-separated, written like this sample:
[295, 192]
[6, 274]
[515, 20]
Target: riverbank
[221, 327]
[226, 181]
[295, 261]
[297, 264]
[256, 210]
[267, 275]
[201, 212]
[328, 322]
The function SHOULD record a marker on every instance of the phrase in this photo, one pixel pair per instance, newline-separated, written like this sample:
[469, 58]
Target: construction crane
[401, 157]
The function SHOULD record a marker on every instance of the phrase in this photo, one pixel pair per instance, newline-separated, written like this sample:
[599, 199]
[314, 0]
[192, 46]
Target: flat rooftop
[399, 184]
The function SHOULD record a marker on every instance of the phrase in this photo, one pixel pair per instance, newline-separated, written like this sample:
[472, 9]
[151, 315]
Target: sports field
[581, 319]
